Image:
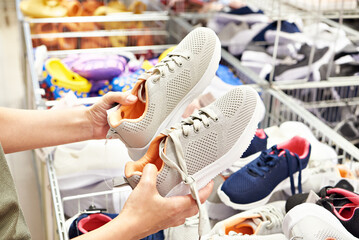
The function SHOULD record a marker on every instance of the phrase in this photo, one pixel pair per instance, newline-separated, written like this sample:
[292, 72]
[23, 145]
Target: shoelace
[267, 160]
[168, 63]
[195, 121]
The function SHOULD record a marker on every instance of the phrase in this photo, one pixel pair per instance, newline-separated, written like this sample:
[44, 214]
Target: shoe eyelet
[185, 136]
[180, 64]
[163, 75]
[206, 125]
[188, 57]
[216, 120]
[196, 131]
[172, 70]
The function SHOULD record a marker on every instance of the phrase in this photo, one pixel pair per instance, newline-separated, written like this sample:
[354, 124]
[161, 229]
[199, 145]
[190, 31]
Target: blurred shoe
[254, 184]
[216, 209]
[165, 91]
[309, 221]
[194, 151]
[300, 198]
[186, 231]
[265, 220]
[344, 204]
[319, 151]
[39, 9]
[61, 80]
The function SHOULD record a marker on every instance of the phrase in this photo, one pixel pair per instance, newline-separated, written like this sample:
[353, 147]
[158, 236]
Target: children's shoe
[265, 220]
[62, 80]
[85, 223]
[99, 67]
[39, 9]
[165, 91]
[126, 82]
[254, 184]
[310, 221]
[194, 151]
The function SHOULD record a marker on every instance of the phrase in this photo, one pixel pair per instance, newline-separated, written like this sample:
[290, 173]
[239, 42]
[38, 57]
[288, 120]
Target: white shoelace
[195, 122]
[169, 63]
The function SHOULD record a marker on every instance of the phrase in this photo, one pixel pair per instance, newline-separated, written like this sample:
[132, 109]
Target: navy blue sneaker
[258, 144]
[254, 184]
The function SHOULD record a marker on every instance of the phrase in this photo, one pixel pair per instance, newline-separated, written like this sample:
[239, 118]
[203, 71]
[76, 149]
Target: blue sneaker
[254, 184]
[258, 144]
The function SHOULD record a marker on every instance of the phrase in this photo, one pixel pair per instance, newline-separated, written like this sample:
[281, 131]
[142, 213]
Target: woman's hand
[146, 211]
[97, 113]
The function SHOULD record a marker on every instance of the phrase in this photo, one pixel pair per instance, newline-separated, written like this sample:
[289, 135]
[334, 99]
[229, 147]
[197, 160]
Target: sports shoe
[194, 151]
[309, 221]
[216, 209]
[186, 231]
[254, 184]
[165, 91]
[344, 204]
[263, 220]
[300, 198]
[258, 144]
[320, 152]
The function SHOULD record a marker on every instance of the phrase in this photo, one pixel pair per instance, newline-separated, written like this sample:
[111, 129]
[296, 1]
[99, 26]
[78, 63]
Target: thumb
[149, 175]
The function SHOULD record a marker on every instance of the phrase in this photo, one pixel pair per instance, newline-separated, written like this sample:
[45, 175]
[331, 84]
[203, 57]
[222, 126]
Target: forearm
[29, 129]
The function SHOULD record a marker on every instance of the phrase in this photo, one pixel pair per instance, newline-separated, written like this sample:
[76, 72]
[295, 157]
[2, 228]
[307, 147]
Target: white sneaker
[216, 209]
[260, 221]
[194, 151]
[165, 91]
[84, 163]
[186, 231]
[309, 221]
[320, 152]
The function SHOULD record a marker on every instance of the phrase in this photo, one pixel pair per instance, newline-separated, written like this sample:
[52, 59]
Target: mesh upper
[229, 103]
[177, 88]
[141, 125]
[193, 42]
[166, 96]
[204, 150]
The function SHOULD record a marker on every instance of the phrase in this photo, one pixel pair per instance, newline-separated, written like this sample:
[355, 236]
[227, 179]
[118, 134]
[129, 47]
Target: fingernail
[131, 98]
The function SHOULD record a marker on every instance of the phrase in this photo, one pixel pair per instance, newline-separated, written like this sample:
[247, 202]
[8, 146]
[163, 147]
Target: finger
[149, 175]
[119, 97]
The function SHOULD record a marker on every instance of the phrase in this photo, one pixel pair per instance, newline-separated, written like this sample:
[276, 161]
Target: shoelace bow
[169, 62]
[268, 160]
[195, 121]
[267, 213]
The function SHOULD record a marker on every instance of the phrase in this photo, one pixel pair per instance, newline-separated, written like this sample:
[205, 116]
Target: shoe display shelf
[334, 97]
[113, 33]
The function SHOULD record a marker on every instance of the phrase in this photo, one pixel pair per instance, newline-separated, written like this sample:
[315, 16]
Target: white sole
[176, 114]
[205, 175]
[225, 199]
[300, 212]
